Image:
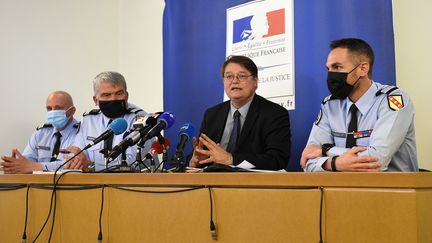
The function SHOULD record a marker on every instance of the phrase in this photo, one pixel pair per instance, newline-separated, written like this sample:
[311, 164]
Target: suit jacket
[265, 138]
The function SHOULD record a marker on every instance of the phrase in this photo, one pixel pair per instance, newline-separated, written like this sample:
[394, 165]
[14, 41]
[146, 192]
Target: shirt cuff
[51, 166]
[315, 165]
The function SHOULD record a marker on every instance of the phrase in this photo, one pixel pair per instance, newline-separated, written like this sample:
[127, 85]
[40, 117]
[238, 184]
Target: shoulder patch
[133, 110]
[386, 90]
[330, 97]
[46, 125]
[92, 112]
[395, 102]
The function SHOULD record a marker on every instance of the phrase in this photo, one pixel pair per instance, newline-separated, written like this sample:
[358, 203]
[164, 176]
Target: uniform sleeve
[320, 134]
[52, 166]
[80, 140]
[390, 130]
[30, 151]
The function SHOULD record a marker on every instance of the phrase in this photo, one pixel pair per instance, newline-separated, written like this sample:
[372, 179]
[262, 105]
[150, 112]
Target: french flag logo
[259, 26]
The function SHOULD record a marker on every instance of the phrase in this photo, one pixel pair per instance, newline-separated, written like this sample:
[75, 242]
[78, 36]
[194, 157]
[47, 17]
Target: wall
[413, 39]
[49, 45]
[141, 51]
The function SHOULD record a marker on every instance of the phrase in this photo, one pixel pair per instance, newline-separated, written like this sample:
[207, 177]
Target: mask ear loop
[355, 83]
[67, 111]
[354, 68]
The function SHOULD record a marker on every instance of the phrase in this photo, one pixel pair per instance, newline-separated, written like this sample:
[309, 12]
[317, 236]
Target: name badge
[43, 147]
[90, 138]
[338, 134]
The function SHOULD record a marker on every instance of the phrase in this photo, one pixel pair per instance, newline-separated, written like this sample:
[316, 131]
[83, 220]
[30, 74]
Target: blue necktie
[235, 132]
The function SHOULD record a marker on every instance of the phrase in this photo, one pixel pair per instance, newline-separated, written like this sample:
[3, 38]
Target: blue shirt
[385, 128]
[41, 144]
[94, 124]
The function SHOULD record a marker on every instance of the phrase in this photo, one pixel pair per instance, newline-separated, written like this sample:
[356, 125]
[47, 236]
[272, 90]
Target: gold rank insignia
[395, 102]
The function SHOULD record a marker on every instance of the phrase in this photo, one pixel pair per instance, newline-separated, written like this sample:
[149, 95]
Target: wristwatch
[325, 148]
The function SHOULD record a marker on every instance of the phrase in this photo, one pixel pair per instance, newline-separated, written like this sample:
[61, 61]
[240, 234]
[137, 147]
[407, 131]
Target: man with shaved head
[42, 151]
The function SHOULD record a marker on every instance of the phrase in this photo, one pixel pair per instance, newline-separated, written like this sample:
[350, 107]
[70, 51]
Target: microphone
[185, 133]
[123, 154]
[133, 137]
[118, 126]
[165, 121]
[158, 148]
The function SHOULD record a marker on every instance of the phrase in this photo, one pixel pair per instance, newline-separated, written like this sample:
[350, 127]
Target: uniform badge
[318, 119]
[362, 134]
[43, 147]
[395, 102]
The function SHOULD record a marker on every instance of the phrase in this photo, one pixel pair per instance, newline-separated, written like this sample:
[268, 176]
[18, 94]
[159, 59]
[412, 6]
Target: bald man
[42, 151]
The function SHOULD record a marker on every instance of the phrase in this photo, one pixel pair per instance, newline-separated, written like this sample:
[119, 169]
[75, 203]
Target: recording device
[185, 133]
[140, 129]
[165, 121]
[118, 126]
[157, 148]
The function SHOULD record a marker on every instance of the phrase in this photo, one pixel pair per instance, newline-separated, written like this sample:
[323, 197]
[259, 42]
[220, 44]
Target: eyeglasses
[239, 77]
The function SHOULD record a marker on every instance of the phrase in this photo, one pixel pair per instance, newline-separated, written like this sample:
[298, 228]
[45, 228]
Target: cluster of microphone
[144, 129]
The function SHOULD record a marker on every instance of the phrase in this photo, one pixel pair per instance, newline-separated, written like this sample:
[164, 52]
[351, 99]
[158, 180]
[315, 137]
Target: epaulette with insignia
[77, 126]
[386, 90]
[330, 97]
[133, 110]
[46, 125]
[92, 112]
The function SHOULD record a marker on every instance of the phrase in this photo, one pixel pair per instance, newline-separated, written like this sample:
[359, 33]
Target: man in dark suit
[247, 131]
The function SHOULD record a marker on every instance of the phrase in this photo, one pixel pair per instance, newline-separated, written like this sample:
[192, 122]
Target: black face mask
[113, 108]
[337, 84]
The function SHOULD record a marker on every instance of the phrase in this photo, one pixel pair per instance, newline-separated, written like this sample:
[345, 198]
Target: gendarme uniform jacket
[94, 123]
[385, 128]
[41, 144]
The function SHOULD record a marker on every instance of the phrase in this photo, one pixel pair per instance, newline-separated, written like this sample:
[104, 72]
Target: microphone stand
[178, 160]
[124, 167]
[105, 153]
[140, 161]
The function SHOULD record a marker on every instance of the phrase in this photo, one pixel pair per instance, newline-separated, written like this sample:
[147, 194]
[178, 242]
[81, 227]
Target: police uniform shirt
[41, 144]
[385, 128]
[93, 124]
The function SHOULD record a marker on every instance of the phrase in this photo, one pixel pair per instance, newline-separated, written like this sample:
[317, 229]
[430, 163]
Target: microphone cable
[212, 225]
[213, 231]
[65, 187]
[55, 202]
[24, 236]
[9, 187]
[321, 213]
[133, 190]
[99, 238]
[53, 195]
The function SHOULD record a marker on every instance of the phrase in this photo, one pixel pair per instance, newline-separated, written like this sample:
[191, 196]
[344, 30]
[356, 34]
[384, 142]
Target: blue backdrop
[194, 33]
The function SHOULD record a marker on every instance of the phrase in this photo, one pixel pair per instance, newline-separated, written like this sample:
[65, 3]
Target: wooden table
[246, 207]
